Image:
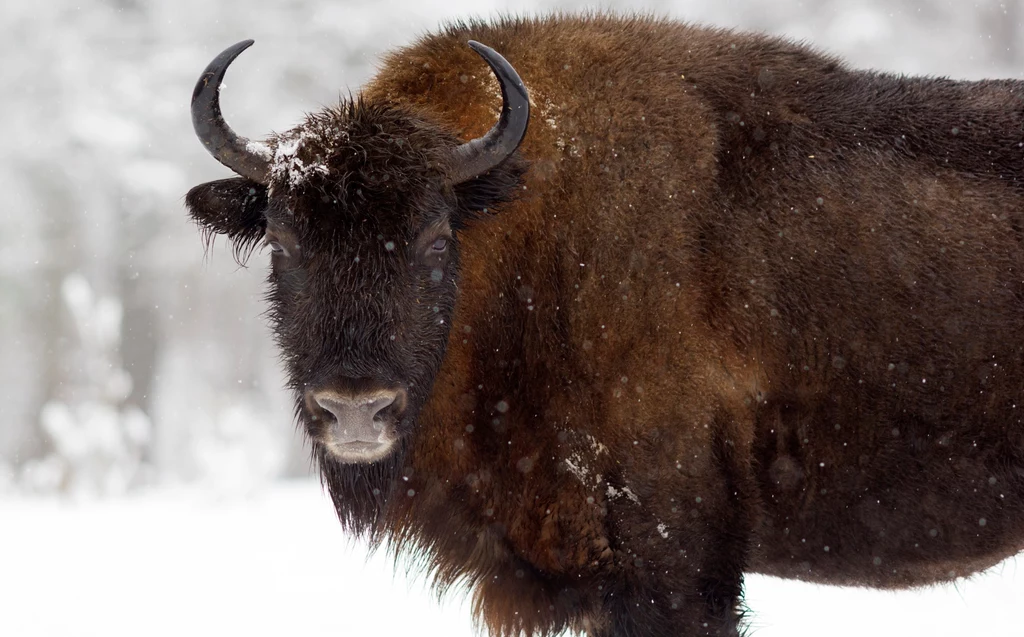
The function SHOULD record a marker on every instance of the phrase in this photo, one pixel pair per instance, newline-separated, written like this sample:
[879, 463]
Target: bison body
[731, 307]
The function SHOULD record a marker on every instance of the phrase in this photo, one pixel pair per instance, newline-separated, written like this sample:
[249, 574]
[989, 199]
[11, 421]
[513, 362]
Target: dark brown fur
[751, 311]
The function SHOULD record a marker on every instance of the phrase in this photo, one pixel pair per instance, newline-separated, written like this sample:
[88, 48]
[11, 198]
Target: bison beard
[360, 492]
[748, 310]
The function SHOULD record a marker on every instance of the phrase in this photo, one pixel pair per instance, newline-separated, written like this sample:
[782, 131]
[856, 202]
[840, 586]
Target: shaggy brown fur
[752, 311]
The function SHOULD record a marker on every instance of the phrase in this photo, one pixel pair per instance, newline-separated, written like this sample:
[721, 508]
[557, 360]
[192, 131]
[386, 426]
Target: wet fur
[746, 305]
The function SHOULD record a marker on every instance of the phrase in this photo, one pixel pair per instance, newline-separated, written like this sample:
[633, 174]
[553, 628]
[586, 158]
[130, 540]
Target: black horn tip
[216, 68]
[507, 76]
[480, 47]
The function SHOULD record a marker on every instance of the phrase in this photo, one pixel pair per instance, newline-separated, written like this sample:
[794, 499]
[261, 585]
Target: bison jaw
[357, 427]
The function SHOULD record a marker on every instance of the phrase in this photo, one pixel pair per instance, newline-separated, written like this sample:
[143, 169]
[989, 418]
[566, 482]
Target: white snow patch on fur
[587, 450]
[596, 446]
[614, 493]
[287, 164]
[576, 466]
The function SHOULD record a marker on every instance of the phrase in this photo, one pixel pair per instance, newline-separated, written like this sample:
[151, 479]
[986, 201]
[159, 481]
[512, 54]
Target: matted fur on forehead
[358, 155]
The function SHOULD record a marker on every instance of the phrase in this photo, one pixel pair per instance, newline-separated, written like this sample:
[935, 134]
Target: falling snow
[99, 150]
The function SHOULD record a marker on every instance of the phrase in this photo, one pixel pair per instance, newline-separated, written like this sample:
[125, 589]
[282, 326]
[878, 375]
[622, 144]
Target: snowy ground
[186, 563]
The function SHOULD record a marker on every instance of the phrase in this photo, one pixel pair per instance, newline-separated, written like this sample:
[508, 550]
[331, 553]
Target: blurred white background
[151, 480]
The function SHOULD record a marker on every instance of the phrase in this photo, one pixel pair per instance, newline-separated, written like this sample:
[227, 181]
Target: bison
[730, 307]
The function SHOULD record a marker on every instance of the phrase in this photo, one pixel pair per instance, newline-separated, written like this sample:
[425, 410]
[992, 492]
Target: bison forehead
[359, 151]
[297, 156]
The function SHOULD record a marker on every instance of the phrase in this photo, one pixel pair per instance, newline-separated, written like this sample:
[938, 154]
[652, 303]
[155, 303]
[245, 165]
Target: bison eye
[281, 250]
[439, 245]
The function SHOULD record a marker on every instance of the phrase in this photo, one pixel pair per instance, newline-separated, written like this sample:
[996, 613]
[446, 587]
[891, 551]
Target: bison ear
[483, 194]
[234, 207]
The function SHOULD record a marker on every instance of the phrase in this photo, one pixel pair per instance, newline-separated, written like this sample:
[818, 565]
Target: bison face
[361, 298]
[360, 209]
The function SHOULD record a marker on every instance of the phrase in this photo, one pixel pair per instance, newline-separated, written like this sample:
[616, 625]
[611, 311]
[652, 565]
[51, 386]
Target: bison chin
[361, 490]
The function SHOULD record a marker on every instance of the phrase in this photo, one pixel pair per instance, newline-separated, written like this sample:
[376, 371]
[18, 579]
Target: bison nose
[357, 418]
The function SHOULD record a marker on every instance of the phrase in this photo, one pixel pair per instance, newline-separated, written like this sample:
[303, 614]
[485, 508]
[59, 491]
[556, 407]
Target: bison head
[361, 208]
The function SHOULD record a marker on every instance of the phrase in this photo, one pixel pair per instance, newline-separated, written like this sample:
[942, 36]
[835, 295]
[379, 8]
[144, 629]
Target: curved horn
[237, 153]
[477, 156]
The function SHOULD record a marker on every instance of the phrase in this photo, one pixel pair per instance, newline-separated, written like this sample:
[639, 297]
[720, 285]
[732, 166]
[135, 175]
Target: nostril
[324, 414]
[379, 406]
[315, 409]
